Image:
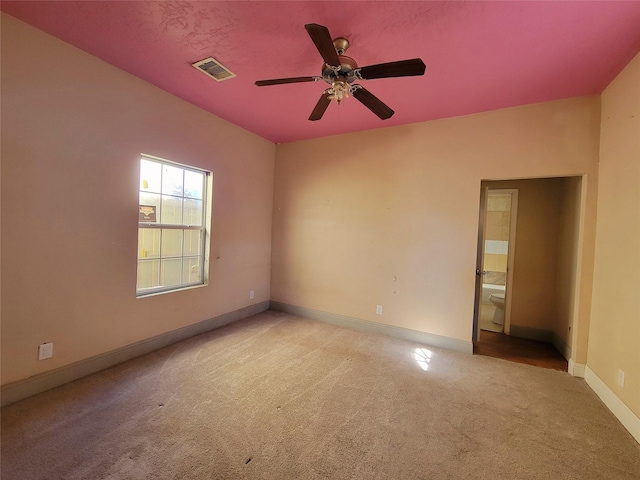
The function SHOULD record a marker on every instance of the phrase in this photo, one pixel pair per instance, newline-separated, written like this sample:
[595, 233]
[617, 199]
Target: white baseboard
[576, 369]
[12, 392]
[623, 413]
[379, 328]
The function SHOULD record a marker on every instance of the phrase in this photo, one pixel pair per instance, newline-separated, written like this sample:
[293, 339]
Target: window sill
[172, 290]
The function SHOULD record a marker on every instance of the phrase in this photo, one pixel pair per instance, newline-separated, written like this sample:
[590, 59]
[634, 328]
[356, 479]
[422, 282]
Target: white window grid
[201, 229]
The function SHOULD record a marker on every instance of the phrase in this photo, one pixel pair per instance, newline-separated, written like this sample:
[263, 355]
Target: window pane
[171, 196]
[171, 212]
[148, 243]
[148, 274]
[150, 174]
[193, 182]
[191, 269]
[192, 212]
[170, 271]
[172, 180]
[171, 243]
[150, 200]
[192, 242]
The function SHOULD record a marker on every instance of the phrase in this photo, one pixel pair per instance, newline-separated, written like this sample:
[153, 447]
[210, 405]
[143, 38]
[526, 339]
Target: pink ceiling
[480, 55]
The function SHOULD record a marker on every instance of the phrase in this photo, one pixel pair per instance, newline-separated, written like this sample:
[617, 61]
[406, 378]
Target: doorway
[497, 235]
[496, 265]
[541, 285]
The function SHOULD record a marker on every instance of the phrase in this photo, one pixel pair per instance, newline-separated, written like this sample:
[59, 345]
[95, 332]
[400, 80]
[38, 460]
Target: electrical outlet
[45, 351]
[620, 378]
[251, 294]
[378, 309]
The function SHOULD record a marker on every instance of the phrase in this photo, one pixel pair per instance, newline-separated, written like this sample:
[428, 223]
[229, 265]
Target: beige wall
[568, 250]
[614, 337]
[72, 131]
[536, 251]
[390, 216]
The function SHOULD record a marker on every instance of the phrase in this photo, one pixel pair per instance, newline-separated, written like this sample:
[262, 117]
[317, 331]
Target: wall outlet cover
[45, 351]
[378, 309]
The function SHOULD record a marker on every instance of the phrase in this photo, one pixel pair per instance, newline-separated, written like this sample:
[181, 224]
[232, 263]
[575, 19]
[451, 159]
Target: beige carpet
[281, 397]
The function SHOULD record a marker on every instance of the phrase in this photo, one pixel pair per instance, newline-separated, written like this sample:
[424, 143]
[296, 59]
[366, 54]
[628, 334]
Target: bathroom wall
[73, 128]
[497, 238]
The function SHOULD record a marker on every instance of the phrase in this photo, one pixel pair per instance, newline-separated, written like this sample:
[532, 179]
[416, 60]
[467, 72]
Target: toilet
[497, 299]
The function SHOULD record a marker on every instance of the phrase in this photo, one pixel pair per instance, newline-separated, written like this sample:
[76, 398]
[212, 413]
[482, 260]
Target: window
[172, 226]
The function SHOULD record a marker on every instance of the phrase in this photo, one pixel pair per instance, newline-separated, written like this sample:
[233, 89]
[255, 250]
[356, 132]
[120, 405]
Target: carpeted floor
[276, 396]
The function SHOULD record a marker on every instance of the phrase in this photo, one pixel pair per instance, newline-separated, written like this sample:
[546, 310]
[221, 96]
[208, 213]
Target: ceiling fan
[341, 71]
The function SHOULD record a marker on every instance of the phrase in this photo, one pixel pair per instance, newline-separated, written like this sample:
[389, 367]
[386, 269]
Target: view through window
[172, 235]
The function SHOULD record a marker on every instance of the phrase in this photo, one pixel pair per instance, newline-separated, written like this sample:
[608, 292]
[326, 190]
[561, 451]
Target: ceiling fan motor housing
[347, 64]
[345, 73]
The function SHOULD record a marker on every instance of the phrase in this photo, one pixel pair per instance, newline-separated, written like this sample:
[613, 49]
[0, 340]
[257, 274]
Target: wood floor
[519, 350]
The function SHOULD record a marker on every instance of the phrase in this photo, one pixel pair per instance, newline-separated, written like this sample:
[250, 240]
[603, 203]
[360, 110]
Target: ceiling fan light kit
[340, 71]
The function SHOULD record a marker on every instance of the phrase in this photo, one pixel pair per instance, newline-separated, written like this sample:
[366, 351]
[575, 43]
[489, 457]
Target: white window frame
[204, 228]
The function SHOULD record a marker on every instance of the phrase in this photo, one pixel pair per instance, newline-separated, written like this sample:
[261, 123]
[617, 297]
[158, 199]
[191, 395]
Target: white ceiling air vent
[214, 69]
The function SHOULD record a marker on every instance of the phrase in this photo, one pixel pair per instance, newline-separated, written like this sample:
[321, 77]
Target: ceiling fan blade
[320, 107]
[402, 68]
[280, 81]
[372, 102]
[322, 39]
